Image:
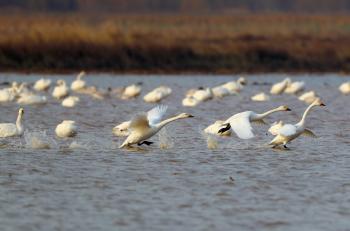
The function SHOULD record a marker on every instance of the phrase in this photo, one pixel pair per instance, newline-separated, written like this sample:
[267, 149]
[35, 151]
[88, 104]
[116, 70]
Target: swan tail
[224, 129]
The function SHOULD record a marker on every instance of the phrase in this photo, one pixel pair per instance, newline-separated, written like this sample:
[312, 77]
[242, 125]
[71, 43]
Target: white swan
[260, 97]
[275, 127]
[78, 83]
[215, 127]
[291, 131]
[7, 95]
[122, 129]
[190, 101]
[295, 87]
[345, 88]
[61, 90]
[157, 94]
[278, 88]
[203, 94]
[308, 97]
[240, 123]
[10, 129]
[30, 98]
[67, 128]
[70, 101]
[145, 126]
[42, 84]
[131, 91]
[235, 86]
[221, 92]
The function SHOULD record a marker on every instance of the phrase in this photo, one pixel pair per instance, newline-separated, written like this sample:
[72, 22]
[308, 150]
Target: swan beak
[190, 116]
[288, 109]
[322, 104]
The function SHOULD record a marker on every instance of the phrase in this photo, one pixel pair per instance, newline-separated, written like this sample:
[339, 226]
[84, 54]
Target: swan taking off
[240, 123]
[61, 90]
[66, 129]
[289, 132]
[79, 83]
[10, 129]
[278, 88]
[145, 126]
[42, 84]
[345, 88]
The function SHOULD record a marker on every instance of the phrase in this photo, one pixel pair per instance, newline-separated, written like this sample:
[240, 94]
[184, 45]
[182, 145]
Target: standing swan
[10, 129]
[240, 123]
[289, 132]
[145, 126]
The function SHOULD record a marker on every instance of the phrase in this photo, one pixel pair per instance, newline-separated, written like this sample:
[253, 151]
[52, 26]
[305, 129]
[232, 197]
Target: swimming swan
[190, 101]
[42, 84]
[66, 129]
[145, 126]
[235, 86]
[308, 97]
[30, 98]
[278, 88]
[78, 83]
[61, 90]
[291, 131]
[10, 129]
[131, 91]
[240, 123]
[295, 87]
[345, 88]
[260, 97]
[70, 101]
[203, 94]
[157, 94]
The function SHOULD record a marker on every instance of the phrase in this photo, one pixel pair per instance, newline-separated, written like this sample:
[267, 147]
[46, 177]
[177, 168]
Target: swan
[221, 92]
[289, 132]
[295, 87]
[260, 97]
[203, 94]
[61, 90]
[345, 88]
[240, 123]
[70, 101]
[7, 95]
[275, 127]
[42, 84]
[78, 83]
[122, 129]
[131, 91]
[30, 98]
[190, 101]
[278, 88]
[67, 128]
[235, 86]
[145, 126]
[157, 94]
[215, 127]
[10, 129]
[308, 97]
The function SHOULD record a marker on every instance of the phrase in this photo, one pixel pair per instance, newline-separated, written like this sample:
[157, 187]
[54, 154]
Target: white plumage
[67, 128]
[11, 129]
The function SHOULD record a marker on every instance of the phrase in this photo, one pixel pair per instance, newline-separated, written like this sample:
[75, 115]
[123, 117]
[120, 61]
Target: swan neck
[302, 121]
[165, 122]
[263, 115]
[19, 121]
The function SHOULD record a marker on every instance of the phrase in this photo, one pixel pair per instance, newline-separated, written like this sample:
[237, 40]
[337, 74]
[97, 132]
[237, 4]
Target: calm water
[241, 185]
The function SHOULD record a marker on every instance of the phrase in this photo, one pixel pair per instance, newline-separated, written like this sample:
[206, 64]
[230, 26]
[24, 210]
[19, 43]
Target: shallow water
[87, 183]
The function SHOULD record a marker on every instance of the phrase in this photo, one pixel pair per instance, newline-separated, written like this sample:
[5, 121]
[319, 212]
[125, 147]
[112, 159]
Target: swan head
[284, 108]
[21, 111]
[60, 82]
[318, 102]
[242, 81]
[185, 115]
[81, 74]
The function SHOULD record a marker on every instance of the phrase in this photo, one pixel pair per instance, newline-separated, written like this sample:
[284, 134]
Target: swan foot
[148, 143]
[222, 130]
[285, 147]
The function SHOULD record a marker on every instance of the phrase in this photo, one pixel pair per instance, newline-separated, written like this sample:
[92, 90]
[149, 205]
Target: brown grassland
[175, 43]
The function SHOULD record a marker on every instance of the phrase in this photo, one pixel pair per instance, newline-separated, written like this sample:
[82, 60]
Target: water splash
[165, 140]
[38, 140]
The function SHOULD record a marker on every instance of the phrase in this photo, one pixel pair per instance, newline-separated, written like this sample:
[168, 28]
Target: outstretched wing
[156, 114]
[139, 122]
[287, 130]
[242, 127]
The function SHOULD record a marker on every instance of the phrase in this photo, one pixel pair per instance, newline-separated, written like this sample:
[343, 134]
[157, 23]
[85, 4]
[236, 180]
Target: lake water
[240, 185]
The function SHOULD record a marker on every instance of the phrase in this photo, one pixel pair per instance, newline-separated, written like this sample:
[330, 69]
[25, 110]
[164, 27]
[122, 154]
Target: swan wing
[7, 129]
[287, 130]
[309, 133]
[156, 114]
[242, 127]
[139, 123]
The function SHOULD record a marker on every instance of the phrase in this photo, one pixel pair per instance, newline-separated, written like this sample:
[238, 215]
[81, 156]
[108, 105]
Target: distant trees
[174, 6]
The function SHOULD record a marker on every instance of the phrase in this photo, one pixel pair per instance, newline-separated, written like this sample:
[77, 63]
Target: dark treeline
[178, 6]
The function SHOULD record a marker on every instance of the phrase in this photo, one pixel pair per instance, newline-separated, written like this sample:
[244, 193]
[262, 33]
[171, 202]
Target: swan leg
[285, 147]
[148, 143]
[228, 127]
